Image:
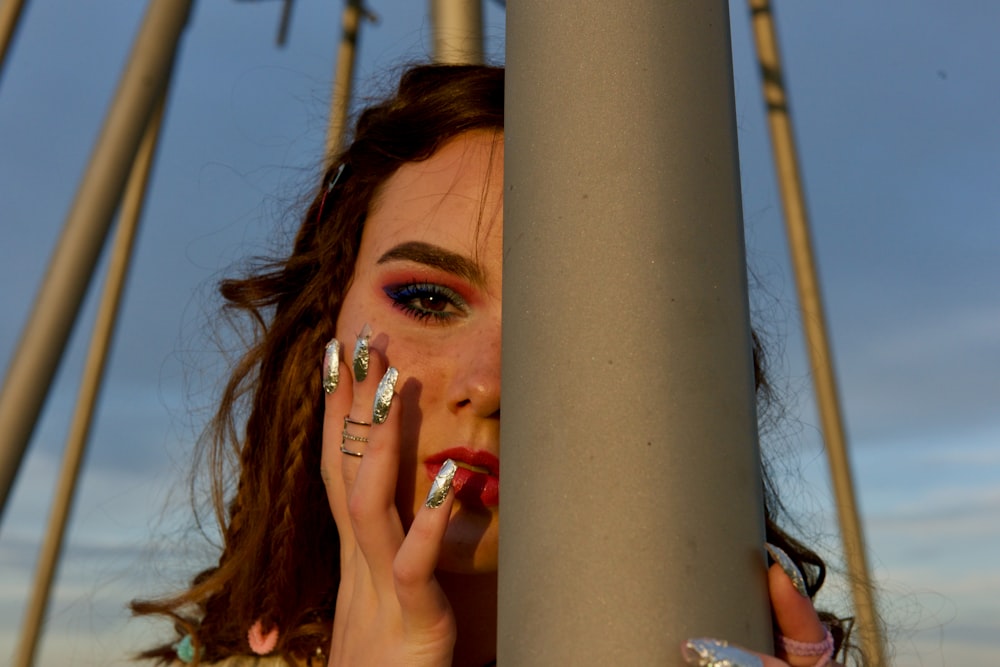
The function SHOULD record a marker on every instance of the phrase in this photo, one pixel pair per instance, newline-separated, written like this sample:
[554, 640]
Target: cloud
[934, 372]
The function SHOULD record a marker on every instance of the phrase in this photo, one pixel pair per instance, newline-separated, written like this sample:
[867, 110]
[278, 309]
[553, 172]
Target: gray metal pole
[632, 514]
[44, 337]
[90, 385]
[814, 325]
[458, 31]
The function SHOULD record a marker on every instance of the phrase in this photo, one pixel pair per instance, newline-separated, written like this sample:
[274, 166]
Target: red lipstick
[477, 481]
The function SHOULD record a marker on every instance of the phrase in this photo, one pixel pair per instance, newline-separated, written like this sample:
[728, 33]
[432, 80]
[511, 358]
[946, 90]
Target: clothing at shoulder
[245, 661]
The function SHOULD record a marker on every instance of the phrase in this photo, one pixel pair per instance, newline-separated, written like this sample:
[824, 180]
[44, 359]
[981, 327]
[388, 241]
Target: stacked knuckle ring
[352, 437]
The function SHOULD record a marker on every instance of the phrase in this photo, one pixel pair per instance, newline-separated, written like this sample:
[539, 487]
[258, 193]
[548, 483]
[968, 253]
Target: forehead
[454, 198]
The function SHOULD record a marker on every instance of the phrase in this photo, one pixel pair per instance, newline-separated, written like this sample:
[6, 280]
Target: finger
[419, 595]
[338, 401]
[356, 423]
[356, 431]
[371, 498]
[795, 616]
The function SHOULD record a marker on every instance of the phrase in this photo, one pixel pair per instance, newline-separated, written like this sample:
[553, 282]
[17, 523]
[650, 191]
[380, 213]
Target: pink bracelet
[823, 649]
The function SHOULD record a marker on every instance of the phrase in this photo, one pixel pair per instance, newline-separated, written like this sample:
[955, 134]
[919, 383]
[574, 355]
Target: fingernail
[361, 354]
[331, 366]
[788, 565]
[442, 484]
[717, 653]
[383, 396]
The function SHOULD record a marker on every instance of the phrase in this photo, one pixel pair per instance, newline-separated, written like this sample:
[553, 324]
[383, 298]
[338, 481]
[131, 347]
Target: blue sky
[895, 105]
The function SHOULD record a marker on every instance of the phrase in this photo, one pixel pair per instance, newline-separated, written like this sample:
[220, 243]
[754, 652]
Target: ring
[350, 436]
[350, 452]
[822, 649]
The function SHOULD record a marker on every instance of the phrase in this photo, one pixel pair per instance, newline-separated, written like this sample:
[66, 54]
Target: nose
[476, 384]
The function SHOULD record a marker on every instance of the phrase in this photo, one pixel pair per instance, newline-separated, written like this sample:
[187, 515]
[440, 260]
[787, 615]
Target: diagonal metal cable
[90, 385]
[343, 81]
[58, 302]
[814, 325]
[10, 15]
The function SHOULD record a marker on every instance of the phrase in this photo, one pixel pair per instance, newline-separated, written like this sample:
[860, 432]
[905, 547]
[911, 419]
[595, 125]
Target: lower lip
[471, 487]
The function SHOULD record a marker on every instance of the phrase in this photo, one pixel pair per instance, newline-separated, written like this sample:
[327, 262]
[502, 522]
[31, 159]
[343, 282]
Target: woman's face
[427, 281]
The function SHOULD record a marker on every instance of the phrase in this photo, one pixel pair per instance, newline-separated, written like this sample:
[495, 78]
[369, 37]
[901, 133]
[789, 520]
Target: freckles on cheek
[421, 387]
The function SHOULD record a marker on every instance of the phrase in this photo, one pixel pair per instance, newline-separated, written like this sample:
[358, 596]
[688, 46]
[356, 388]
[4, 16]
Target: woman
[363, 527]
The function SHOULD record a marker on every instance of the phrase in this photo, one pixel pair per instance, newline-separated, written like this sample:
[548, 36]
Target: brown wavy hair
[280, 551]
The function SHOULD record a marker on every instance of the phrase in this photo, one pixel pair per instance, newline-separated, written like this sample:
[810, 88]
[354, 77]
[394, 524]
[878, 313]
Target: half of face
[427, 281]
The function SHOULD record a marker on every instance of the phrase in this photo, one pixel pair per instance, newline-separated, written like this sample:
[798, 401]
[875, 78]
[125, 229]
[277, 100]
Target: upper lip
[476, 457]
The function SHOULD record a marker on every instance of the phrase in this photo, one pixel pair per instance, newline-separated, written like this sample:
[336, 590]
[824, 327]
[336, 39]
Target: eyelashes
[427, 301]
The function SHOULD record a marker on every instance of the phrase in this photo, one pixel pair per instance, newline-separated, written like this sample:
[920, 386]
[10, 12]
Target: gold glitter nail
[442, 484]
[788, 565]
[331, 366]
[718, 653]
[383, 396]
[361, 354]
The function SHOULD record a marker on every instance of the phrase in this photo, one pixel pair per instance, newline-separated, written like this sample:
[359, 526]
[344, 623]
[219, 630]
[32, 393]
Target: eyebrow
[436, 257]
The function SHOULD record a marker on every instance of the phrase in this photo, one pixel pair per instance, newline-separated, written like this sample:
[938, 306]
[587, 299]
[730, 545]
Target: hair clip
[329, 188]
[333, 183]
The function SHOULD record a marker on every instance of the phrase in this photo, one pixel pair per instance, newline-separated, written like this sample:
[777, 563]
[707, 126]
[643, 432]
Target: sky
[895, 106]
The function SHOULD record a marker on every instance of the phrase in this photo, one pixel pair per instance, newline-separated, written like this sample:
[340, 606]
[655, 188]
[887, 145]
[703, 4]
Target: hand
[795, 619]
[390, 609]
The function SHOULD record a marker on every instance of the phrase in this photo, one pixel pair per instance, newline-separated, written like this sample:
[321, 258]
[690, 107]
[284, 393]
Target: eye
[424, 301]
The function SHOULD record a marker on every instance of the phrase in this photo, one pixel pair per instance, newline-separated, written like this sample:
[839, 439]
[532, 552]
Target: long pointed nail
[442, 484]
[383, 396]
[717, 653]
[331, 366]
[361, 354]
[788, 565]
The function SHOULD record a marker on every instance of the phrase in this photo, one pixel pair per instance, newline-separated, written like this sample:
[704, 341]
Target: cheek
[347, 320]
[358, 309]
[428, 370]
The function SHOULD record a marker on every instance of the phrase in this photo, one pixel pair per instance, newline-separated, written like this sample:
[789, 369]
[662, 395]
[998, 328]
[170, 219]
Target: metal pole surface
[458, 31]
[286, 21]
[343, 82]
[44, 337]
[90, 385]
[632, 504]
[10, 15]
[814, 324]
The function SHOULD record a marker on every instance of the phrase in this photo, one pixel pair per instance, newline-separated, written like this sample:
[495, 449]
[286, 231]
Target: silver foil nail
[788, 565]
[361, 354]
[383, 396]
[331, 366]
[442, 484]
[718, 653]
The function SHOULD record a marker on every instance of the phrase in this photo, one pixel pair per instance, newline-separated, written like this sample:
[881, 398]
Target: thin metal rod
[632, 502]
[814, 325]
[10, 15]
[286, 22]
[44, 338]
[343, 82]
[90, 385]
[458, 31]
